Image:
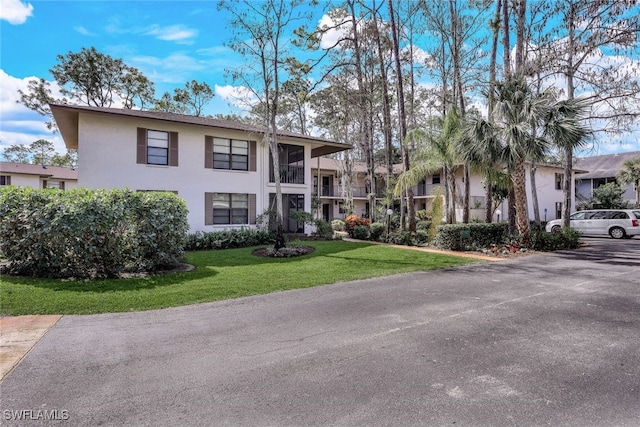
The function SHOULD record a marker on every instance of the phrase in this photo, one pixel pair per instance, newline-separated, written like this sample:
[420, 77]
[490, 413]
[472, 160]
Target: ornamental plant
[89, 233]
[352, 221]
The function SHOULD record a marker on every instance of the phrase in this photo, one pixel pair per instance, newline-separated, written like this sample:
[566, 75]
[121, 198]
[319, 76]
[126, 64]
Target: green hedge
[89, 233]
[479, 235]
[229, 239]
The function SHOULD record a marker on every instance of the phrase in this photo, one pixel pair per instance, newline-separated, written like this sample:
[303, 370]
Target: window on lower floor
[53, 184]
[5, 180]
[558, 210]
[230, 208]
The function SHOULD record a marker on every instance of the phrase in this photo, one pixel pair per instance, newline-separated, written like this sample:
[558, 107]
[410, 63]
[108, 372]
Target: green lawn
[218, 275]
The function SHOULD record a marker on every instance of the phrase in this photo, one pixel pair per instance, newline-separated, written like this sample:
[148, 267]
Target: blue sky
[171, 42]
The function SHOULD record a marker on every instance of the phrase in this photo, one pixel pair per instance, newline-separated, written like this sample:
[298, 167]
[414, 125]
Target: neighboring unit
[617, 223]
[332, 189]
[37, 176]
[602, 170]
[222, 169]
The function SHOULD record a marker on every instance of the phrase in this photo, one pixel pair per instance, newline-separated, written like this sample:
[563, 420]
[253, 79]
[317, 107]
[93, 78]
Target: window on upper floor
[559, 181]
[157, 147]
[435, 179]
[229, 154]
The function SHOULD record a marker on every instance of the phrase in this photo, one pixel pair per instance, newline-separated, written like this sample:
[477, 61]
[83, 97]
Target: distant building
[602, 170]
[37, 176]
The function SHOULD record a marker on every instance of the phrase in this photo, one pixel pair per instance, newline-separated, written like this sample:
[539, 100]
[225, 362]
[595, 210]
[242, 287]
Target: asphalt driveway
[549, 339]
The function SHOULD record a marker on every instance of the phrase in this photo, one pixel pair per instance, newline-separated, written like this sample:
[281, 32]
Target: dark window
[230, 154]
[230, 208]
[558, 210]
[157, 147]
[559, 181]
[5, 180]
[435, 179]
[618, 215]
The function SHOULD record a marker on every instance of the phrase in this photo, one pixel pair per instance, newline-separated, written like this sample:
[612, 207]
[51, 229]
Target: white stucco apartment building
[220, 168]
[326, 172]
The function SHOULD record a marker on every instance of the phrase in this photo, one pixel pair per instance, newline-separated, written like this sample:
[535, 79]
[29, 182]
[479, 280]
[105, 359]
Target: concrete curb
[18, 335]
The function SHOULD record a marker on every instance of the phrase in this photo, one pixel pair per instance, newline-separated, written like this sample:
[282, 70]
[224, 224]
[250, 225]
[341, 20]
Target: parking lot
[548, 339]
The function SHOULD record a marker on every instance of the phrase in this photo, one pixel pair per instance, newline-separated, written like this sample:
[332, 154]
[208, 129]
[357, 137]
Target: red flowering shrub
[352, 221]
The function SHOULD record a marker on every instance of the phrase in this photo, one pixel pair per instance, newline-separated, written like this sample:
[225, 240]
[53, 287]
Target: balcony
[290, 174]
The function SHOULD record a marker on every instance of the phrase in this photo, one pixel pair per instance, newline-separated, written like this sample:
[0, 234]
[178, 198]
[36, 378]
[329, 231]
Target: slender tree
[259, 33]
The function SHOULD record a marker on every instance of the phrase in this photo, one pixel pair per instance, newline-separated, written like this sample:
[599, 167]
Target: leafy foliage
[337, 225]
[83, 233]
[228, 239]
[376, 230]
[92, 78]
[452, 237]
[609, 196]
[352, 221]
[360, 232]
[323, 229]
[567, 238]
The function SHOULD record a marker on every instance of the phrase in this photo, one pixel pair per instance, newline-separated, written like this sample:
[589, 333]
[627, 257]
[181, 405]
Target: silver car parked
[617, 223]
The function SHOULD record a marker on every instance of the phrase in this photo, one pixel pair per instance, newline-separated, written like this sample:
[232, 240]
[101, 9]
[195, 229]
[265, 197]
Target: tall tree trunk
[534, 193]
[459, 97]
[520, 190]
[495, 26]
[506, 44]
[386, 106]
[402, 116]
[362, 105]
[568, 152]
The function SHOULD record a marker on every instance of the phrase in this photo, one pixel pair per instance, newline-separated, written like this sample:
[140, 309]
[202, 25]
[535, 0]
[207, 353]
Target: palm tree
[435, 152]
[631, 175]
[563, 127]
[508, 138]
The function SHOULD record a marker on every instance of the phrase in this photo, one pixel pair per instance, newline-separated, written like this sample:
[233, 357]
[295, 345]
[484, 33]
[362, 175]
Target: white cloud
[174, 33]
[15, 12]
[20, 125]
[82, 30]
[238, 96]
[175, 68]
[334, 33]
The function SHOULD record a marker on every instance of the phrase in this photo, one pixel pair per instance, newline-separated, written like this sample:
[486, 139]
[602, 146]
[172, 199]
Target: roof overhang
[67, 120]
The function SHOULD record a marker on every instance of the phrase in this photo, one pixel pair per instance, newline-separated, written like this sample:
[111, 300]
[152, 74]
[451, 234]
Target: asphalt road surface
[544, 340]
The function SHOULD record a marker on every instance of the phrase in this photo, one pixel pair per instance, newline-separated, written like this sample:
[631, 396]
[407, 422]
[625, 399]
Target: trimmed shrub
[352, 221]
[402, 237]
[323, 229]
[228, 239]
[567, 238]
[90, 233]
[361, 232]
[480, 235]
[423, 225]
[376, 230]
[337, 225]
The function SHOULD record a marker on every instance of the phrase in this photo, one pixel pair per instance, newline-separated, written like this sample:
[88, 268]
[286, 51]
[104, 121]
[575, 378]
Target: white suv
[617, 223]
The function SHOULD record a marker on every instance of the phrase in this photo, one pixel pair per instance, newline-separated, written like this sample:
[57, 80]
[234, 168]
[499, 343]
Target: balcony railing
[427, 189]
[290, 174]
[335, 191]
